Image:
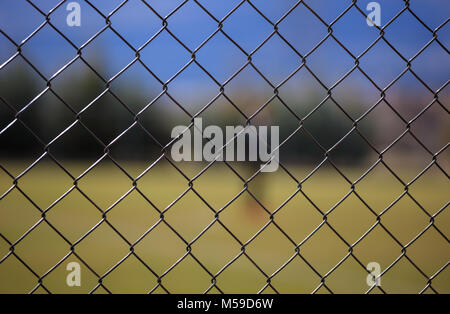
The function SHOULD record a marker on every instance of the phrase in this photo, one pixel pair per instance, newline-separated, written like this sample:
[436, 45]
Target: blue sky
[165, 56]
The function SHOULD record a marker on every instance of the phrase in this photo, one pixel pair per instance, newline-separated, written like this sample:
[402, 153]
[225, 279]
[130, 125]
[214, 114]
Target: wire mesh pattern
[215, 286]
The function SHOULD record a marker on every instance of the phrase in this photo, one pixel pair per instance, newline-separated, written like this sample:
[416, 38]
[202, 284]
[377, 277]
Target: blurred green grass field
[161, 248]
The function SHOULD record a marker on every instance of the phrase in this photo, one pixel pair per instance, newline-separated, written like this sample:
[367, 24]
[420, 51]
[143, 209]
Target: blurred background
[106, 88]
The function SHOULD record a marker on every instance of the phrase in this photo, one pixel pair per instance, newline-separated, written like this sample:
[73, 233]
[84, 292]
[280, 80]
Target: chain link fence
[18, 260]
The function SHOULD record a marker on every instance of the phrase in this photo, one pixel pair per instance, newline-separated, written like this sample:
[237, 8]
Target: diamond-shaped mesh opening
[219, 191]
[199, 29]
[296, 277]
[44, 127]
[226, 251]
[352, 207]
[337, 281]
[106, 196]
[32, 179]
[276, 70]
[17, 211]
[250, 36]
[39, 50]
[165, 56]
[125, 274]
[252, 278]
[16, 277]
[74, 221]
[153, 247]
[11, 22]
[20, 75]
[403, 277]
[396, 33]
[42, 248]
[301, 18]
[105, 242]
[142, 16]
[270, 249]
[189, 207]
[86, 167]
[387, 67]
[325, 258]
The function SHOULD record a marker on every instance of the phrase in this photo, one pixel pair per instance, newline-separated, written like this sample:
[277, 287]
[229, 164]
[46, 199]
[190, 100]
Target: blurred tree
[17, 88]
[103, 114]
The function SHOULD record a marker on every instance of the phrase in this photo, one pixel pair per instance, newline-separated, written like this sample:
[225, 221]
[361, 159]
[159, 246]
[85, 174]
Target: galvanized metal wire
[46, 146]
